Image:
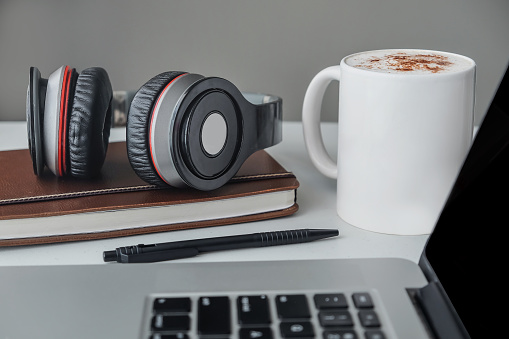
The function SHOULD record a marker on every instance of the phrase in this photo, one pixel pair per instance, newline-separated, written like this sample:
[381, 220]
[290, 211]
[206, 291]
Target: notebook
[43, 209]
[456, 291]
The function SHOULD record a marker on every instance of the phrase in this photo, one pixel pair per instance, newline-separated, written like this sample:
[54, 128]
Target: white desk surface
[316, 197]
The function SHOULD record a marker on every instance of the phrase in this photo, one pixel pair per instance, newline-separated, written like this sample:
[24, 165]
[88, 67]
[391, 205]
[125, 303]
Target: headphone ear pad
[90, 123]
[138, 120]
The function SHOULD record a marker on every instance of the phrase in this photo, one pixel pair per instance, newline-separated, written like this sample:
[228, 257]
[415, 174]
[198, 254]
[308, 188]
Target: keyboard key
[369, 318]
[253, 310]
[362, 300]
[169, 336]
[335, 318]
[297, 329]
[255, 333]
[374, 334]
[170, 322]
[214, 315]
[292, 306]
[340, 334]
[173, 305]
[337, 300]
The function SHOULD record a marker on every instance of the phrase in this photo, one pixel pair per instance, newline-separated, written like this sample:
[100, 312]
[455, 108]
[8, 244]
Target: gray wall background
[272, 46]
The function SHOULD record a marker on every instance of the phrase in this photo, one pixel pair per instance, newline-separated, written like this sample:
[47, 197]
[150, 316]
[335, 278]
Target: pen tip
[109, 256]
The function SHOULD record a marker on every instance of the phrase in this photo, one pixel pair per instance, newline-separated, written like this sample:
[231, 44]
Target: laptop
[456, 291]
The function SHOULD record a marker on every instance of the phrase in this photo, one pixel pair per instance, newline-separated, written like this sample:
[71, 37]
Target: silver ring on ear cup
[161, 126]
[52, 118]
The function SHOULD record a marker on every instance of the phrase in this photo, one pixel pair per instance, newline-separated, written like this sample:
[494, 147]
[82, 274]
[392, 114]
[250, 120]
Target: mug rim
[472, 64]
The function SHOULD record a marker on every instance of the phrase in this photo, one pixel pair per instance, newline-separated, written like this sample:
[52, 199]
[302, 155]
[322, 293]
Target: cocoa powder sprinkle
[402, 62]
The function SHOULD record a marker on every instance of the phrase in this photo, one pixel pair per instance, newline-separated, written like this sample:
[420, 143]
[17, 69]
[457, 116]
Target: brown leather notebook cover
[23, 195]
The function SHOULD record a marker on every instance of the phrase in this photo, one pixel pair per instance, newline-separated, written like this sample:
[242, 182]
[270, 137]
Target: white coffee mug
[404, 129]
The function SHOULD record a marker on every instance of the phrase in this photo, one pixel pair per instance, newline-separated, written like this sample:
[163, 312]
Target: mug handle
[311, 109]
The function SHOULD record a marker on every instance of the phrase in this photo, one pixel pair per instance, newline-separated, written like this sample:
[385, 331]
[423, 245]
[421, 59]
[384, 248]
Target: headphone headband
[270, 118]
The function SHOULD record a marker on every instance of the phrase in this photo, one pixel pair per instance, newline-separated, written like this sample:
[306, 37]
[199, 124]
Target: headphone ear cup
[90, 123]
[138, 121]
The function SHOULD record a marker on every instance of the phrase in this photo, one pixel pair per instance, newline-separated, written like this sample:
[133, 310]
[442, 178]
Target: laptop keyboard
[261, 316]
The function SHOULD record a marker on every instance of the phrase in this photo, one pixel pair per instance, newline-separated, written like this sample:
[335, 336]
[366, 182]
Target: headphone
[182, 129]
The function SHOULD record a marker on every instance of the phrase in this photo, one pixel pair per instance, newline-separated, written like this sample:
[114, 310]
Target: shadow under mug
[404, 129]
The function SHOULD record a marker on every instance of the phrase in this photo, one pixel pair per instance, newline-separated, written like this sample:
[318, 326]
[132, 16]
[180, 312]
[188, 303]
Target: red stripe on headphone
[62, 128]
[150, 127]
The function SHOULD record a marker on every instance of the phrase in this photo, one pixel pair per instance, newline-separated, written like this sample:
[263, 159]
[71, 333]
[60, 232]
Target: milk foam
[409, 61]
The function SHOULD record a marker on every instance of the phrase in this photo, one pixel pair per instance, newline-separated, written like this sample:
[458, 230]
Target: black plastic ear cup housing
[250, 128]
[90, 123]
[138, 119]
[36, 96]
[197, 168]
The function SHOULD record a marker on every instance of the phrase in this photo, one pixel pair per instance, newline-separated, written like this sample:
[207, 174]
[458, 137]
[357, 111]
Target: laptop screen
[464, 248]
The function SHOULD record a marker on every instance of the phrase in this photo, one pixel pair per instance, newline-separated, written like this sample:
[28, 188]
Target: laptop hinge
[441, 318]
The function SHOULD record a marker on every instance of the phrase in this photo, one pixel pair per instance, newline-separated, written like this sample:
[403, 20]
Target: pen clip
[158, 255]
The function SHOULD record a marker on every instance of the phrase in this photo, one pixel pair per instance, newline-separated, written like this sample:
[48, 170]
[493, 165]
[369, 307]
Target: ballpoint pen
[190, 248]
